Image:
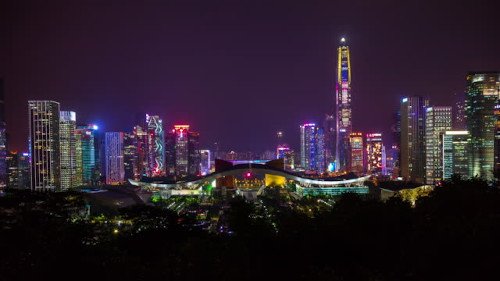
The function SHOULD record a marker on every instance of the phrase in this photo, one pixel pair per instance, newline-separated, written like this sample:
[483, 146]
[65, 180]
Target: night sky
[237, 71]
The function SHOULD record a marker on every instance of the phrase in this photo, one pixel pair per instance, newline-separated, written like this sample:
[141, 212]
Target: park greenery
[451, 234]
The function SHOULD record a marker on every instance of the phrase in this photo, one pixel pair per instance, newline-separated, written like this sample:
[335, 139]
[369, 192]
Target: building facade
[3, 141]
[455, 146]
[115, 169]
[67, 147]
[155, 146]
[375, 162]
[85, 138]
[44, 152]
[438, 119]
[412, 144]
[183, 155]
[357, 159]
[343, 108]
[481, 98]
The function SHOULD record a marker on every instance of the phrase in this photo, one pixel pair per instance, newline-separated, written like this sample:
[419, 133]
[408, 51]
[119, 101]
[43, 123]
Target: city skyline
[201, 72]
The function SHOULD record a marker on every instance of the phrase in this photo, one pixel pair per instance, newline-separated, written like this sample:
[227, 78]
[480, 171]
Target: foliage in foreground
[451, 234]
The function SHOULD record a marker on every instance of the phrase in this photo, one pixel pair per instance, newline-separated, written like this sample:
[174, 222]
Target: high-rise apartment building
[375, 153]
[67, 148]
[44, 152]
[356, 155]
[155, 147]
[455, 145]
[412, 150]
[115, 170]
[483, 90]
[438, 119]
[343, 108]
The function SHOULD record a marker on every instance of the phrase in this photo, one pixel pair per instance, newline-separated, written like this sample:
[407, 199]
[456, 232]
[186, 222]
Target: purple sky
[237, 71]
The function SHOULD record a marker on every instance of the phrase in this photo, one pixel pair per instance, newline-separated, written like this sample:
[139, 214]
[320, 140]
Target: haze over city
[237, 71]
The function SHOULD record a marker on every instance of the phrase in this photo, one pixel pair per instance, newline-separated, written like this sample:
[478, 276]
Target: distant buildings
[483, 90]
[412, 149]
[18, 170]
[205, 162]
[115, 169]
[43, 119]
[438, 119]
[343, 106]
[3, 141]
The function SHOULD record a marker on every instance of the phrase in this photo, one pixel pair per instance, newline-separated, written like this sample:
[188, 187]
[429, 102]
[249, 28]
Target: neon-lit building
[284, 152]
[343, 102]
[183, 156]
[437, 121]
[412, 142]
[455, 146]
[67, 147]
[155, 147]
[43, 119]
[375, 153]
[357, 159]
[115, 168]
[483, 90]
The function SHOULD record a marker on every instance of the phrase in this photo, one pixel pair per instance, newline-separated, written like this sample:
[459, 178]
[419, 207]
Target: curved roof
[241, 168]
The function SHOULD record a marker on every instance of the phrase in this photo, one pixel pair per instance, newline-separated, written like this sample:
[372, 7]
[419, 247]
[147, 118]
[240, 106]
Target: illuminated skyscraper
[483, 90]
[182, 151]
[437, 121]
[375, 153]
[129, 155]
[115, 170]
[43, 119]
[357, 160]
[140, 143]
[85, 138]
[3, 141]
[343, 100]
[455, 145]
[312, 148]
[18, 170]
[67, 147]
[155, 146]
[412, 143]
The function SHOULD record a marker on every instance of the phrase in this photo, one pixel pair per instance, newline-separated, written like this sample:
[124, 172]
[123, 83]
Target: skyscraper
[343, 108]
[412, 138]
[18, 170]
[155, 146]
[115, 171]
[182, 151]
[43, 119]
[3, 141]
[85, 138]
[312, 148]
[357, 160]
[483, 90]
[437, 121]
[308, 146]
[455, 145]
[205, 162]
[140, 143]
[375, 153]
[67, 147]
[130, 155]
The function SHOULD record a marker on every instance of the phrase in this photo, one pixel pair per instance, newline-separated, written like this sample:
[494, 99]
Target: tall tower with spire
[343, 106]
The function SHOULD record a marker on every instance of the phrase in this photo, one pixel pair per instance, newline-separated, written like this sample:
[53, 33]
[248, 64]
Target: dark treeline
[452, 234]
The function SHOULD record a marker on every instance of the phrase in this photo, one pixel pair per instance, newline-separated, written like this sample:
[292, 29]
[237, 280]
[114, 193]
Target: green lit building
[480, 100]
